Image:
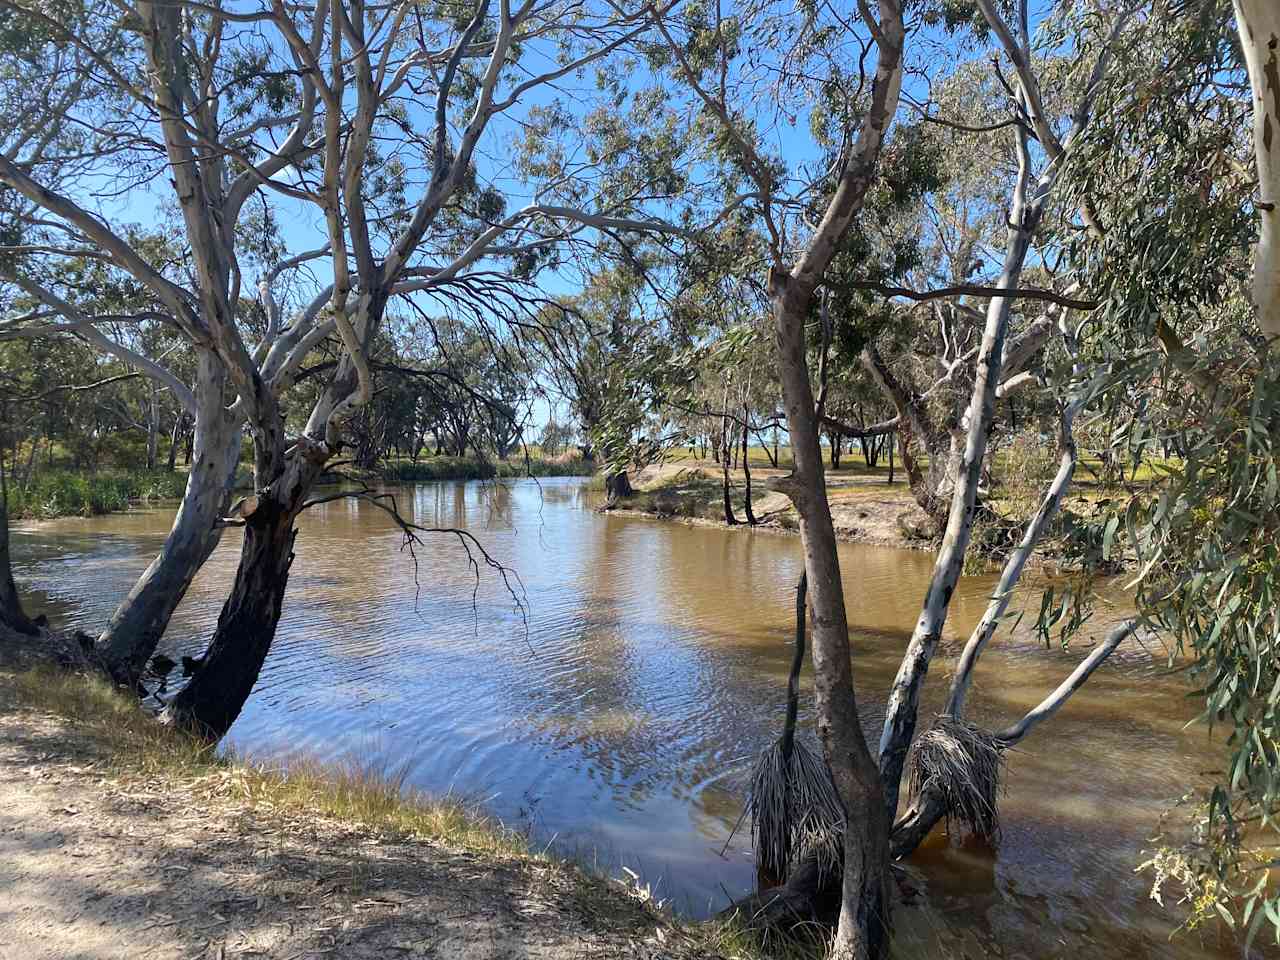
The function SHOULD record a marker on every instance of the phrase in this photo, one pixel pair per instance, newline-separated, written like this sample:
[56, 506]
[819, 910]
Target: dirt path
[94, 865]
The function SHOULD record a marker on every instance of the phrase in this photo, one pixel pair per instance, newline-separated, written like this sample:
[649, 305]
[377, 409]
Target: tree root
[47, 648]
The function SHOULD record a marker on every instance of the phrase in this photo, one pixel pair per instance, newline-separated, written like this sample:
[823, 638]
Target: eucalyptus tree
[70, 125]
[808, 218]
[795, 269]
[385, 116]
[1184, 261]
[580, 340]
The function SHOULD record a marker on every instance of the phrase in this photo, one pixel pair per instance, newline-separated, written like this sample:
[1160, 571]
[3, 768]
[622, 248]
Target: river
[619, 720]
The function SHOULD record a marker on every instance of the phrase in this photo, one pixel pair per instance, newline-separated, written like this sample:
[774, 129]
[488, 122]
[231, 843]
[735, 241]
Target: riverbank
[865, 507]
[50, 494]
[426, 469]
[120, 838]
[66, 493]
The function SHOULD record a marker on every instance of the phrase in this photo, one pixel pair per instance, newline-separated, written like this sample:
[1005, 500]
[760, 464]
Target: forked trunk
[210, 703]
[139, 622]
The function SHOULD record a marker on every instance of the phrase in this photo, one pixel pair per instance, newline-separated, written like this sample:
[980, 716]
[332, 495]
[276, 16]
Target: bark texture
[139, 622]
[1258, 22]
[863, 926]
[209, 704]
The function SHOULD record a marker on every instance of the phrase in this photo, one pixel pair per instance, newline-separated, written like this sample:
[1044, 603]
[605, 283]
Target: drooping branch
[386, 502]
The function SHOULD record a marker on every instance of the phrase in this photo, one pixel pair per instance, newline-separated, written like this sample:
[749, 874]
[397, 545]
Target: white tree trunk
[904, 698]
[140, 620]
[1259, 25]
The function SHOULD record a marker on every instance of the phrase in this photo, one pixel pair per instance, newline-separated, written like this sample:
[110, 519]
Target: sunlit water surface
[621, 723]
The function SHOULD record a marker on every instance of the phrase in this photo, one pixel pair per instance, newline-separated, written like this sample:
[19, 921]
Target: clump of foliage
[473, 468]
[62, 493]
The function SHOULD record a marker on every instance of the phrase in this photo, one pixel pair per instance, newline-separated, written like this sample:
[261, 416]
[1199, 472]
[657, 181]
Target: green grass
[69, 493]
[472, 468]
[59, 493]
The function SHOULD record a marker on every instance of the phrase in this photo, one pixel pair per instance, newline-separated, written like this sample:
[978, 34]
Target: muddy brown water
[621, 726]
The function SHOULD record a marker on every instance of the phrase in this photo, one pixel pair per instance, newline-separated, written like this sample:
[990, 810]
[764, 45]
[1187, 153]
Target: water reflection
[622, 723]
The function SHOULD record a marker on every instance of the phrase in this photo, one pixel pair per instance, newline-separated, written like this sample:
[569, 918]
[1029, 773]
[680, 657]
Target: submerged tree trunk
[904, 698]
[864, 920]
[140, 620]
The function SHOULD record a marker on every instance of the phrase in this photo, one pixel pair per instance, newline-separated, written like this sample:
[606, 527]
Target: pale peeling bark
[1259, 24]
[1054, 701]
[904, 698]
[1049, 505]
[1027, 209]
[139, 622]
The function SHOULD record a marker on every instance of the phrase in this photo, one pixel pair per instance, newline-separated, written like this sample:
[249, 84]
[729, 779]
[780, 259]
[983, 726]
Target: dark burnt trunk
[618, 485]
[210, 703]
[746, 467]
[729, 516]
[11, 613]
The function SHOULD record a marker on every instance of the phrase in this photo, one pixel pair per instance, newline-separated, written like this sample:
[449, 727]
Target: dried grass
[964, 763]
[370, 795]
[795, 811]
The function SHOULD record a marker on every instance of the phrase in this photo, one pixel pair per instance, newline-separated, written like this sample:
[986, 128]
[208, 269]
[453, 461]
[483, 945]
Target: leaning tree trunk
[209, 704]
[141, 619]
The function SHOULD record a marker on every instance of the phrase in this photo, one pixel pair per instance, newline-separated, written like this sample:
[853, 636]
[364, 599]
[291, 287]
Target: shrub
[472, 468]
[60, 493]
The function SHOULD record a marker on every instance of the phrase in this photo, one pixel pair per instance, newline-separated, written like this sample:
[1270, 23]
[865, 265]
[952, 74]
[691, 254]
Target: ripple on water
[623, 722]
